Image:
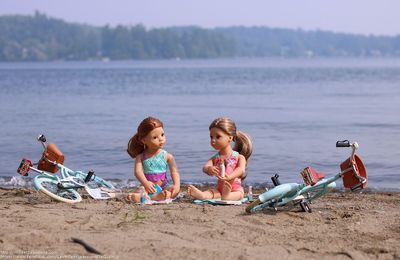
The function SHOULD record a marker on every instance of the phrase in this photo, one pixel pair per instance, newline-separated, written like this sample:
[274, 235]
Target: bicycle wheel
[49, 186]
[250, 208]
[274, 195]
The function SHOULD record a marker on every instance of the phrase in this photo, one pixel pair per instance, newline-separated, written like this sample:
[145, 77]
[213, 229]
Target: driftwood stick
[88, 247]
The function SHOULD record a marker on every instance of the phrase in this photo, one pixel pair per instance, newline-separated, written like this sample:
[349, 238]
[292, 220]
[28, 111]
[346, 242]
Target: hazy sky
[379, 17]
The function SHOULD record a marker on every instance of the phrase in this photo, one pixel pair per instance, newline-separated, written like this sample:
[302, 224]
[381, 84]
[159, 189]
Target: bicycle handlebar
[89, 176]
[42, 139]
[344, 143]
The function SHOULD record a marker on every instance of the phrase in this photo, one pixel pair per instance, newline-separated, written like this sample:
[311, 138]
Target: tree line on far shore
[42, 38]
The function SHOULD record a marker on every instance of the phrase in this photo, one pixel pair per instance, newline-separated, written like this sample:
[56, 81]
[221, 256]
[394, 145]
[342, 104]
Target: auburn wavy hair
[135, 144]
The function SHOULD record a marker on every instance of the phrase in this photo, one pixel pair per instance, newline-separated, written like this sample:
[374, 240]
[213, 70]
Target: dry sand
[341, 226]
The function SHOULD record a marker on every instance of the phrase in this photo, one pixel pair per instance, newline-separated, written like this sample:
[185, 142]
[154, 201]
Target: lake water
[294, 109]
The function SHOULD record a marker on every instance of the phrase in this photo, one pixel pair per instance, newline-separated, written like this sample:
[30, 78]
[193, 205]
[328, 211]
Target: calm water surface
[295, 111]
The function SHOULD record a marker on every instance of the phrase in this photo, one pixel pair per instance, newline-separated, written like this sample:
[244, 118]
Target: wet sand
[341, 226]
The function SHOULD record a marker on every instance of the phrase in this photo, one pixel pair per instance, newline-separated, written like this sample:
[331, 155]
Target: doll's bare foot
[226, 188]
[133, 197]
[164, 195]
[195, 192]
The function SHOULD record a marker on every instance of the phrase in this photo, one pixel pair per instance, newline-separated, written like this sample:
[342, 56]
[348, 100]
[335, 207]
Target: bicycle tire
[305, 206]
[49, 186]
[250, 207]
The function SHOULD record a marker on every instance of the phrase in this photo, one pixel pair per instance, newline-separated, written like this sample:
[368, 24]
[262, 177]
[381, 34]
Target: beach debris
[22, 192]
[132, 216]
[88, 247]
[250, 193]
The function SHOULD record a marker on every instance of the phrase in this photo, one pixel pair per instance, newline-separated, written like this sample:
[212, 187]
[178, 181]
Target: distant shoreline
[71, 41]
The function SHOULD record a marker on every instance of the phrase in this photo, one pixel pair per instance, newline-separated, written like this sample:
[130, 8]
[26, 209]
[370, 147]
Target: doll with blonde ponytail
[223, 132]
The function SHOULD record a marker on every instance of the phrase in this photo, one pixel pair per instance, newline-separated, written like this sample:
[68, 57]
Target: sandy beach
[341, 226]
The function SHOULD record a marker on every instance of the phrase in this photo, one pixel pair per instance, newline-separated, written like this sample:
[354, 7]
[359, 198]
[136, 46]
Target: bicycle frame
[67, 180]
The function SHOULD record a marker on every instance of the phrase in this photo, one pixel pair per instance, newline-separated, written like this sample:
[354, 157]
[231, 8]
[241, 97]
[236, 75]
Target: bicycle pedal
[24, 167]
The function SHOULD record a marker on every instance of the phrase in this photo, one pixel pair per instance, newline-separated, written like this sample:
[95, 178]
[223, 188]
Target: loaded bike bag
[311, 176]
[53, 154]
[351, 169]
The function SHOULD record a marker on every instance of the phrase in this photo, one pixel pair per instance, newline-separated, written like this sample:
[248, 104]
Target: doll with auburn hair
[152, 162]
[229, 164]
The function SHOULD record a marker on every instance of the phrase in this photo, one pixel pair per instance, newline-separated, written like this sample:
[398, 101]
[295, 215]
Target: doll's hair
[135, 144]
[243, 143]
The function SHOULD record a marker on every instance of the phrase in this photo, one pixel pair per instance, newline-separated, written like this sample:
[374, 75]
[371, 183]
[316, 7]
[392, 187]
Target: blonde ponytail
[243, 144]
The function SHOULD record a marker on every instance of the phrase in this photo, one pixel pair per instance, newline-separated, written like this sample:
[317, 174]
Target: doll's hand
[149, 187]
[174, 190]
[225, 178]
[213, 170]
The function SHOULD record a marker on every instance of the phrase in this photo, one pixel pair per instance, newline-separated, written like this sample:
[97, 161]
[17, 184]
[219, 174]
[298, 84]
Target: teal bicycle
[353, 173]
[63, 188]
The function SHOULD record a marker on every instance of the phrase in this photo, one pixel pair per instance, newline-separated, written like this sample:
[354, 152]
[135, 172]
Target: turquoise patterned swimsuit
[155, 168]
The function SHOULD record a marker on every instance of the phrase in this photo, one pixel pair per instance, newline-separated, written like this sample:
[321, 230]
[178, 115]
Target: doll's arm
[210, 169]
[139, 174]
[174, 175]
[173, 169]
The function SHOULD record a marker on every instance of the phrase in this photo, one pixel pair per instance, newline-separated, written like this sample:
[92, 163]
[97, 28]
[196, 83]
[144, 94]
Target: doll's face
[155, 139]
[219, 139]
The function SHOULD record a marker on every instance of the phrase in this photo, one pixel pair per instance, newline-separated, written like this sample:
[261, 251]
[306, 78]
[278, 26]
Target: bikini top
[155, 164]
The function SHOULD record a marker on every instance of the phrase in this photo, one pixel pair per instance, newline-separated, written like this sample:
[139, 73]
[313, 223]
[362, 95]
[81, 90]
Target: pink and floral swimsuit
[230, 165]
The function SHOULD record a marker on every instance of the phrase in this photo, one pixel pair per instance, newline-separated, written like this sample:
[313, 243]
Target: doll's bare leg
[164, 195]
[198, 194]
[133, 197]
[228, 194]
[113, 193]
